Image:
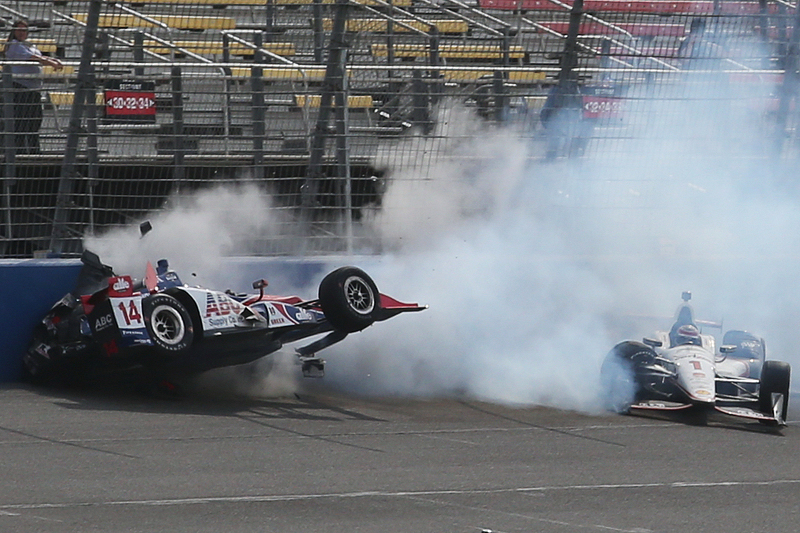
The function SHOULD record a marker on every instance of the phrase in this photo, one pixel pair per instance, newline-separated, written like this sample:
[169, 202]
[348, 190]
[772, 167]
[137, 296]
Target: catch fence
[313, 102]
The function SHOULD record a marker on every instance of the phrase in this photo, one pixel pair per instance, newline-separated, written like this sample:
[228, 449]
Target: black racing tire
[618, 374]
[775, 378]
[349, 299]
[169, 325]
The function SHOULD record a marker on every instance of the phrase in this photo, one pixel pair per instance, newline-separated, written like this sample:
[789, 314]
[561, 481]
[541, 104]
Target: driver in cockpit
[687, 334]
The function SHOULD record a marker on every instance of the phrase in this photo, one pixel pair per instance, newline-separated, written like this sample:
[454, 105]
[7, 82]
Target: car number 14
[128, 312]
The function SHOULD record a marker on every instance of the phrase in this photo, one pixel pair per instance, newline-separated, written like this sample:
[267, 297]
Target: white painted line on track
[6, 508]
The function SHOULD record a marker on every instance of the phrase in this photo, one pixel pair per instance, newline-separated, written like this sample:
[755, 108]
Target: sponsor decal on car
[103, 322]
[120, 286]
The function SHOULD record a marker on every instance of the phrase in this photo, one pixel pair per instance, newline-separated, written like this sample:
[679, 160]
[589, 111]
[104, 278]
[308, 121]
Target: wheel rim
[168, 325]
[359, 295]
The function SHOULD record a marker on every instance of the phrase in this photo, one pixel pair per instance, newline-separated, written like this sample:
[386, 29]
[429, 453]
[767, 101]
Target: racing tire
[349, 299]
[620, 387]
[775, 378]
[169, 325]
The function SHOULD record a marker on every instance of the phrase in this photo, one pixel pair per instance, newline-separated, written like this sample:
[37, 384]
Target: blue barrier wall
[30, 287]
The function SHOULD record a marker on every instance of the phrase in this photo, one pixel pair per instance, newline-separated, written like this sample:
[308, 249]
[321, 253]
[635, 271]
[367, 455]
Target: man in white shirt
[27, 82]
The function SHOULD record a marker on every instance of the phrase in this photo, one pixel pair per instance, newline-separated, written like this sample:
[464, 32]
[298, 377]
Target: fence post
[259, 115]
[334, 74]
[9, 145]
[179, 171]
[61, 232]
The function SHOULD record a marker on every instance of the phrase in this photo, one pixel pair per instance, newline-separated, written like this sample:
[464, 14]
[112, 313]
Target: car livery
[683, 369]
[113, 323]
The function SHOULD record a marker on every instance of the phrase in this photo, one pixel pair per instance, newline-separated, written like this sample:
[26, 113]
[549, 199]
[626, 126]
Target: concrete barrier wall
[30, 287]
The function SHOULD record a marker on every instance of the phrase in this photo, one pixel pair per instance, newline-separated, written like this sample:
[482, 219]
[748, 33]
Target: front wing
[737, 411]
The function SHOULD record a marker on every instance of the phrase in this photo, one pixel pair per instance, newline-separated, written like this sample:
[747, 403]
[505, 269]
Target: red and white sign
[127, 103]
[601, 107]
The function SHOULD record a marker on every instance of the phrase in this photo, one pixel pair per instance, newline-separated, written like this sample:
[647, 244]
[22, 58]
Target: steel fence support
[9, 149]
[85, 82]
[343, 154]
[334, 77]
[259, 115]
[179, 169]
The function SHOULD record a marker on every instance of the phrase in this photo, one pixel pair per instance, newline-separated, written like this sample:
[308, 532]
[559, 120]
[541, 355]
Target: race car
[162, 328]
[682, 369]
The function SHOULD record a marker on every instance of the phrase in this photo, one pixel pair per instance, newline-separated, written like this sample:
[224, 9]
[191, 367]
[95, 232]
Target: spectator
[27, 98]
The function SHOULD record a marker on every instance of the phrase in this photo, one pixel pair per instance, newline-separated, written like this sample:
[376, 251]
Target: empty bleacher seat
[315, 100]
[283, 74]
[635, 29]
[45, 46]
[377, 25]
[450, 51]
[514, 76]
[181, 22]
[215, 3]
[217, 47]
[688, 7]
[372, 3]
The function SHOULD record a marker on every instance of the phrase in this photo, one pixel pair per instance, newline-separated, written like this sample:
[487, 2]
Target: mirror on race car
[652, 342]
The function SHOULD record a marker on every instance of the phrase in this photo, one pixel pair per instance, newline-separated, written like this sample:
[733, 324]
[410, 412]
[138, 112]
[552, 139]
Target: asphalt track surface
[100, 461]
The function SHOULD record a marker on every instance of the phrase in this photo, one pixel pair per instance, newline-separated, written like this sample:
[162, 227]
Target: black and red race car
[163, 328]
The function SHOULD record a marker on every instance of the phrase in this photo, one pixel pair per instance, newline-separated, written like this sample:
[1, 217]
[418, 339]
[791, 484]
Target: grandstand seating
[635, 29]
[372, 3]
[513, 76]
[45, 46]
[215, 3]
[450, 51]
[376, 25]
[688, 7]
[217, 47]
[315, 74]
[314, 101]
[181, 22]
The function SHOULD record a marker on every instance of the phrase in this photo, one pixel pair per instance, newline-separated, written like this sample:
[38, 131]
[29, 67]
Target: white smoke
[533, 270]
[194, 233]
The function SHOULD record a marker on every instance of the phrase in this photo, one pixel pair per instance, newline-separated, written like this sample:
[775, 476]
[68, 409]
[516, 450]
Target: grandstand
[185, 94]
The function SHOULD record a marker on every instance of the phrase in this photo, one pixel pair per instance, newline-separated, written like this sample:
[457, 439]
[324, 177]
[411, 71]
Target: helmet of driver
[688, 334]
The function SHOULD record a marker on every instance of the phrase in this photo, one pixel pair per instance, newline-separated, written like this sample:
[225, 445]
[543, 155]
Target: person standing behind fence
[27, 98]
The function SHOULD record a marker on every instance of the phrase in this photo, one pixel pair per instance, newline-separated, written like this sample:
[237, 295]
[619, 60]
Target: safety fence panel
[183, 96]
